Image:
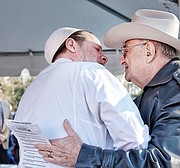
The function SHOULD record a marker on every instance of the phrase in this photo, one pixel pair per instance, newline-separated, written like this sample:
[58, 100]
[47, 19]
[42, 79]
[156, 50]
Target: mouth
[101, 63]
[126, 69]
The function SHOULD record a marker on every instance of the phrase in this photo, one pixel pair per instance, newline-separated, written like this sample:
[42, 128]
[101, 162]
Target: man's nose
[104, 59]
[121, 60]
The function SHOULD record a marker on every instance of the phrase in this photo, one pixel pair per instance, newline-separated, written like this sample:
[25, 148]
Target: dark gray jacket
[160, 109]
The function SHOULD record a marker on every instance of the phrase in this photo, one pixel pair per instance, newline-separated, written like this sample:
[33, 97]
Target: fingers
[68, 128]
[62, 161]
[44, 147]
[56, 155]
[62, 151]
[45, 153]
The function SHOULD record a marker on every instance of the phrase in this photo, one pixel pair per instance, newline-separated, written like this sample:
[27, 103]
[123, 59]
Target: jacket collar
[166, 73]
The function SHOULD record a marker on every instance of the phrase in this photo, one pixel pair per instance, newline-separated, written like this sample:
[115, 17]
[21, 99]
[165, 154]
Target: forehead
[92, 38]
[132, 41]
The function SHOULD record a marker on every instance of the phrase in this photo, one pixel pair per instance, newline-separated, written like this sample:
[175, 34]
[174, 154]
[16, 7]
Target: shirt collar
[63, 60]
[166, 73]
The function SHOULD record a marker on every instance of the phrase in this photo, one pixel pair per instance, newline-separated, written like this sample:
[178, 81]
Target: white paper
[27, 135]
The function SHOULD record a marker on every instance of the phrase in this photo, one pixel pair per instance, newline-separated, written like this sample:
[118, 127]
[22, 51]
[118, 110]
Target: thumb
[68, 128]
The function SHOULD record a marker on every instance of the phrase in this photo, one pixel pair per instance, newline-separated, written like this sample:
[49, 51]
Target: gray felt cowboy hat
[146, 24]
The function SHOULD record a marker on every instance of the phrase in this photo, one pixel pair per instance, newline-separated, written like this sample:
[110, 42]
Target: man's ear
[71, 44]
[150, 51]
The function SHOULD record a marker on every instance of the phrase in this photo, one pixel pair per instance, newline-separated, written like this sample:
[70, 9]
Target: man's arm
[163, 149]
[161, 152]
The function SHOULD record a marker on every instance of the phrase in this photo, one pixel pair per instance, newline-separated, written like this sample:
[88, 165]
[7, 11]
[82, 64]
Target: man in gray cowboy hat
[150, 45]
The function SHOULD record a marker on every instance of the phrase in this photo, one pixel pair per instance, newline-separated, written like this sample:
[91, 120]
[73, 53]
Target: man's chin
[127, 78]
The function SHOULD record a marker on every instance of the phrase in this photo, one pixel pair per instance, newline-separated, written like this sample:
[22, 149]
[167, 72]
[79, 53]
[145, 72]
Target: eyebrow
[97, 45]
[127, 45]
[124, 46]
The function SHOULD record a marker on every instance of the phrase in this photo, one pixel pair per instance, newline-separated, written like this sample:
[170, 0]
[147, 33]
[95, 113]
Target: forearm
[93, 157]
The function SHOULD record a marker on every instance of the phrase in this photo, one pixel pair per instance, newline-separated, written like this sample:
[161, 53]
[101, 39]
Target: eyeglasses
[124, 49]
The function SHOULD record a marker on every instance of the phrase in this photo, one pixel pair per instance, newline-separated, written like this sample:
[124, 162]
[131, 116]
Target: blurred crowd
[8, 144]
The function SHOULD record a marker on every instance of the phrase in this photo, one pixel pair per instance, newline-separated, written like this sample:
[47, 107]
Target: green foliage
[13, 89]
[18, 92]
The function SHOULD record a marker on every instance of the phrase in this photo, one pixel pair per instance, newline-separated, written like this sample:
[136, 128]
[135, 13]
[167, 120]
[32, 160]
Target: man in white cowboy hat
[76, 87]
[150, 45]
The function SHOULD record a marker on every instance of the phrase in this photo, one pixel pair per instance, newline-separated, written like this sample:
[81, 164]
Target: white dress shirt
[94, 101]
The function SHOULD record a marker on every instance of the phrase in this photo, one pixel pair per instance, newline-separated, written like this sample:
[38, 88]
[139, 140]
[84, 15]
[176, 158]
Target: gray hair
[167, 50]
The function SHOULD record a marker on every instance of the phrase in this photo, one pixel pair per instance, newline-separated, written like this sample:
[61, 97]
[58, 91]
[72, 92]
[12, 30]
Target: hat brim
[119, 34]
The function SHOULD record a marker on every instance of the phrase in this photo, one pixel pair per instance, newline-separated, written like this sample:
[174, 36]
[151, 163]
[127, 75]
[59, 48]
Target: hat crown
[146, 24]
[55, 40]
[163, 21]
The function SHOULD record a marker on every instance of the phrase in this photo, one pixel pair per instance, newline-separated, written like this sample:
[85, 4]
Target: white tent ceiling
[26, 25]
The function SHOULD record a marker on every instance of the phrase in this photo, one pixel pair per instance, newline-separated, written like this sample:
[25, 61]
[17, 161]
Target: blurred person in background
[5, 113]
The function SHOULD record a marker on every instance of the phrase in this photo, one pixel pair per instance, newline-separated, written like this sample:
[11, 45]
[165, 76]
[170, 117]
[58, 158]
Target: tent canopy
[26, 25]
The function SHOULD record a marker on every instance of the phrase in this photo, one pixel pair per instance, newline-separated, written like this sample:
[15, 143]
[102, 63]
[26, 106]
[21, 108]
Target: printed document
[27, 135]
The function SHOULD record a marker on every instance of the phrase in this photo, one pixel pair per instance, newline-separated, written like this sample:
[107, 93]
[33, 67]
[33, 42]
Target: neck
[153, 69]
[65, 55]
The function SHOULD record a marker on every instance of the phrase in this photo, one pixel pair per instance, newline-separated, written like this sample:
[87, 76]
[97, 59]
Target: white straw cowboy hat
[56, 39]
[146, 24]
